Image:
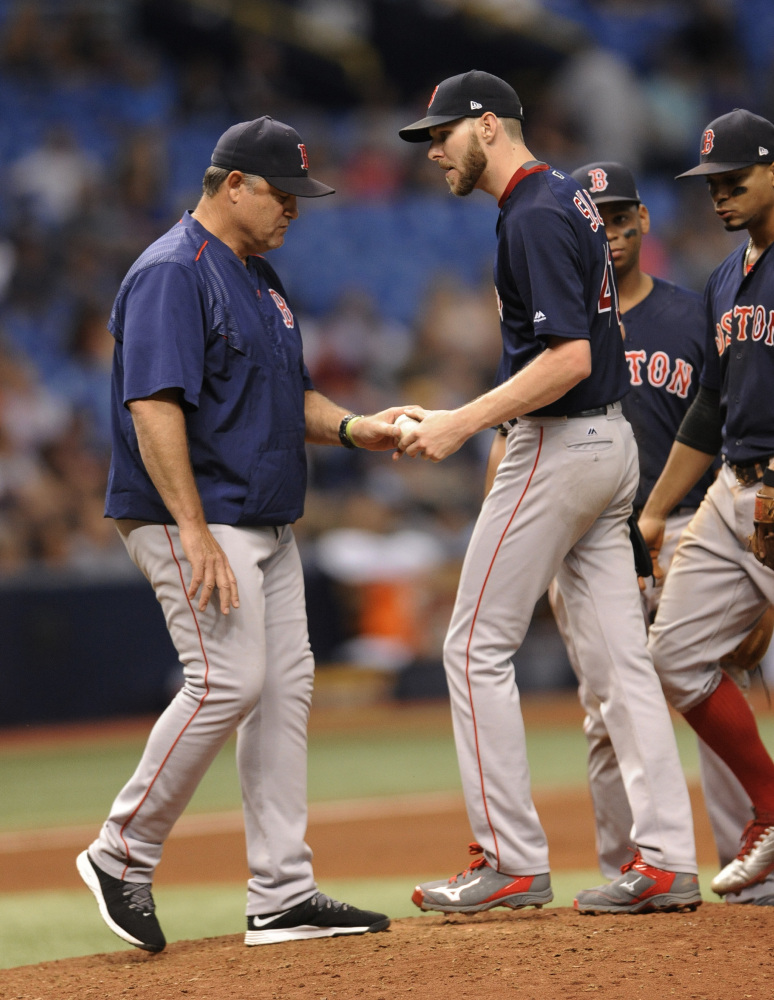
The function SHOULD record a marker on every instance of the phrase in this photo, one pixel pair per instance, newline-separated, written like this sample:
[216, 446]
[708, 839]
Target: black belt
[596, 411]
[748, 473]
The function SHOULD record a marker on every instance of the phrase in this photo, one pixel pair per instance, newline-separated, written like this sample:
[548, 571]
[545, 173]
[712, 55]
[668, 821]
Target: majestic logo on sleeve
[659, 372]
[707, 141]
[745, 323]
[598, 179]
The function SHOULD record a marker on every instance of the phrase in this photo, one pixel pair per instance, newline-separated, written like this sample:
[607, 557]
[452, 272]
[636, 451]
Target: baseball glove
[762, 538]
[750, 651]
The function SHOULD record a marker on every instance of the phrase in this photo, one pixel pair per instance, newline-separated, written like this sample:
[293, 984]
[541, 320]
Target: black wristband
[343, 437]
[768, 477]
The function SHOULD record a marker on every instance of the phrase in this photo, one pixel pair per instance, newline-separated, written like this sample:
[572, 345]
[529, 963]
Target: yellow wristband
[347, 430]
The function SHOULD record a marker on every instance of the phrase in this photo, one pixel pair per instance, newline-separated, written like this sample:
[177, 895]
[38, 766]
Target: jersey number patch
[607, 291]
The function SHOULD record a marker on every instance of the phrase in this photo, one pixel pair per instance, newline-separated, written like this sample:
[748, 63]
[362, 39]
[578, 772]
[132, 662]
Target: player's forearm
[684, 468]
[161, 435]
[560, 367]
[322, 417]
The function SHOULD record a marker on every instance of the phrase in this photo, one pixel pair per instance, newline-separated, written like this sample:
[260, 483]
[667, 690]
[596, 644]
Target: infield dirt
[715, 953]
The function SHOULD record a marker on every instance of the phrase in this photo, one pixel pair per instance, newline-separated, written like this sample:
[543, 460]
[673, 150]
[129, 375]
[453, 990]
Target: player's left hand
[377, 432]
[652, 531]
[438, 435]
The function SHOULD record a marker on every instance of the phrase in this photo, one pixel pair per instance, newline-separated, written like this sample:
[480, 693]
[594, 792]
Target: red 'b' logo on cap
[598, 179]
[432, 97]
[304, 157]
[707, 142]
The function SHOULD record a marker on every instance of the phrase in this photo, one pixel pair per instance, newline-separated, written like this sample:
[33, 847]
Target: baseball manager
[212, 406]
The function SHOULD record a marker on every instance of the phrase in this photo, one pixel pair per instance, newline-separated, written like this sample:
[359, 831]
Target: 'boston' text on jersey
[658, 370]
[742, 322]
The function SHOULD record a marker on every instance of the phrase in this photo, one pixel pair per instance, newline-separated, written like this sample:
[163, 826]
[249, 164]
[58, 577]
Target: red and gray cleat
[754, 861]
[480, 887]
[641, 888]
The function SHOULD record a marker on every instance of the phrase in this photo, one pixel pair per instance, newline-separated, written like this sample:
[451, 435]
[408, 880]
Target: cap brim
[420, 131]
[715, 168]
[609, 198]
[302, 187]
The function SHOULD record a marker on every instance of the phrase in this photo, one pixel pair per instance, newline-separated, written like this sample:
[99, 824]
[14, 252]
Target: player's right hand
[210, 569]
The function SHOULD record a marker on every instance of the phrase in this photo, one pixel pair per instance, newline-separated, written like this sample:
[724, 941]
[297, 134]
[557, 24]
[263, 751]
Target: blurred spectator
[30, 415]
[51, 184]
[602, 106]
[458, 340]
[142, 93]
[36, 310]
[204, 89]
[355, 341]
[84, 377]
[384, 571]
[25, 50]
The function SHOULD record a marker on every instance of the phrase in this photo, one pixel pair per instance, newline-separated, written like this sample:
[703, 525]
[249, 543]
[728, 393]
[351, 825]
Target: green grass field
[75, 784]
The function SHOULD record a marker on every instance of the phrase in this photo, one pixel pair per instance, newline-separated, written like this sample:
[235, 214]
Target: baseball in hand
[406, 424]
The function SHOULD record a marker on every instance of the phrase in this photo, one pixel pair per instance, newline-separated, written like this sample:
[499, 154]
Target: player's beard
[470, 169]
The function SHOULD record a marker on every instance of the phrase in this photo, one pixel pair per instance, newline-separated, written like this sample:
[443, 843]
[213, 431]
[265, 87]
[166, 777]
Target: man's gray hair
[215, 176]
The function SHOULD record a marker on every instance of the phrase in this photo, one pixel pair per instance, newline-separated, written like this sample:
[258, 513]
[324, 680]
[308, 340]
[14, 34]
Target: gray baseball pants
[250, 671]
[558, 506]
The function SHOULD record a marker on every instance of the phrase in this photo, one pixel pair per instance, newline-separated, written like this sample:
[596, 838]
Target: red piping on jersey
[200, 249]
[470, 641]
[193, 716]
[520, 174]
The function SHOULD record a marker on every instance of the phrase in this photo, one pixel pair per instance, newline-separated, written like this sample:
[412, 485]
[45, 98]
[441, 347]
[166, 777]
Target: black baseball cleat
[126, 907]
[319, 916]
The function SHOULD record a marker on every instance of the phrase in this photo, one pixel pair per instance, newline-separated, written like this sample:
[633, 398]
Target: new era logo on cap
[474, 105]
[762, 151]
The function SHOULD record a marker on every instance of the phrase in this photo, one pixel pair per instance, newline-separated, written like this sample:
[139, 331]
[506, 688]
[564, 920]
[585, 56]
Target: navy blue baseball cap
[274, 151]
[468, 95]
[738, 139]
[606, 181]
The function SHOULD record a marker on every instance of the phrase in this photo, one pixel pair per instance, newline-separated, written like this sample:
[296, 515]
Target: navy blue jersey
[554, 278]
[664, 346]
[190, 315]
[740, 321]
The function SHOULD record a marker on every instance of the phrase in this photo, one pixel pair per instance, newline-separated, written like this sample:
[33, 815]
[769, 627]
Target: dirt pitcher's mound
[716, 953]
